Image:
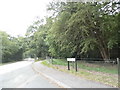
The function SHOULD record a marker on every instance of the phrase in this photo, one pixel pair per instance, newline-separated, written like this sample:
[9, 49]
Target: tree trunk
[103, 48]
[101, 44]
[104, 53]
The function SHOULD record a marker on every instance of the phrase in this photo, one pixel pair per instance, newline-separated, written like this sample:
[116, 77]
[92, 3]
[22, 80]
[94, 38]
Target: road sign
[70, 59]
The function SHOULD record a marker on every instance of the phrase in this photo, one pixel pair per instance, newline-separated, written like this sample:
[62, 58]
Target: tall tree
[86, 27]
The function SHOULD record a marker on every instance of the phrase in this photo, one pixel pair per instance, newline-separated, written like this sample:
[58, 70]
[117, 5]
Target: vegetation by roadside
[36, 60]
[109, 78]
[39, 59]
[98, 67]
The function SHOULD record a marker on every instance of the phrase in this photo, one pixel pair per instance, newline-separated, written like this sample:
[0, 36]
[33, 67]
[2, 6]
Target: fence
[99, 60]
[95, 64]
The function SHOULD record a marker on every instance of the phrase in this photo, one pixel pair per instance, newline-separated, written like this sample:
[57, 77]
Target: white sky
[17, 15]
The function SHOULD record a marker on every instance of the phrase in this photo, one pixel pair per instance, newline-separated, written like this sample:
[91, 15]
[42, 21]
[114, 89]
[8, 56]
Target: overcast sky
[17, 15]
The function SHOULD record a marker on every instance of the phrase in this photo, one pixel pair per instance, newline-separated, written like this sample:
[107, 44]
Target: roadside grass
[36, 60]
[99, 68]
[1, 64]
[88, 66]
[86, 73]
[59, 62]
[39, 59]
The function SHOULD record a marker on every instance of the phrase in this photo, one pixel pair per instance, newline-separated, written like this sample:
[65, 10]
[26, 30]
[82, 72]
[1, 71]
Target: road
[21, 75]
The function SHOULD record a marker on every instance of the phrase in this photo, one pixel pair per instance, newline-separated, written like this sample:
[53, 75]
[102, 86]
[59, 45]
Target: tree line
[11, 47]
[75, 29]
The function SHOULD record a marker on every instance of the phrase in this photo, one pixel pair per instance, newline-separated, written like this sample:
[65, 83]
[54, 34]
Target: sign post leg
[68, 66]
[76, 65]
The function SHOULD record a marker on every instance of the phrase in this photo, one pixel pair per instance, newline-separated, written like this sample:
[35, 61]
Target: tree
[75, 29]
[35, 37]
[85, 28]
[11, 51]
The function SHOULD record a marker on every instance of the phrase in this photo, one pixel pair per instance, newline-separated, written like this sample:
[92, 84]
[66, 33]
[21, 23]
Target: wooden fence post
[118, 63]
[0, 49]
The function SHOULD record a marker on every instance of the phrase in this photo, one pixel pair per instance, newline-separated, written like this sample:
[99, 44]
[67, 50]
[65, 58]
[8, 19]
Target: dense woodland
[72, 29]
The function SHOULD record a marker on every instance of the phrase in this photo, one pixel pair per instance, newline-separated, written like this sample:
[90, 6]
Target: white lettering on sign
[70, 59]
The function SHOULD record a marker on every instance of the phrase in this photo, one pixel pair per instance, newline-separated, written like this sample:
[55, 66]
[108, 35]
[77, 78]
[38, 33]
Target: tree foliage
[83, 27]
[11, 48]
[75, 29]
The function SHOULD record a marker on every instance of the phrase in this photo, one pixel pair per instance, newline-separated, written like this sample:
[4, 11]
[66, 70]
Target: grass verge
[83, 72]
[1, 64]
[88, 66]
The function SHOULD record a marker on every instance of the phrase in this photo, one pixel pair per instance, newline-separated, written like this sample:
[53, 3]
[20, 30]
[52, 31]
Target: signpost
[72, 60]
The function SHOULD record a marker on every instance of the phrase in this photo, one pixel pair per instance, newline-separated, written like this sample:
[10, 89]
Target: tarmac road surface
[21, 75]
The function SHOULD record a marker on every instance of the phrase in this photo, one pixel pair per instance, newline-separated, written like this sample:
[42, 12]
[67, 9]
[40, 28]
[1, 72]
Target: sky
[17, 15]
